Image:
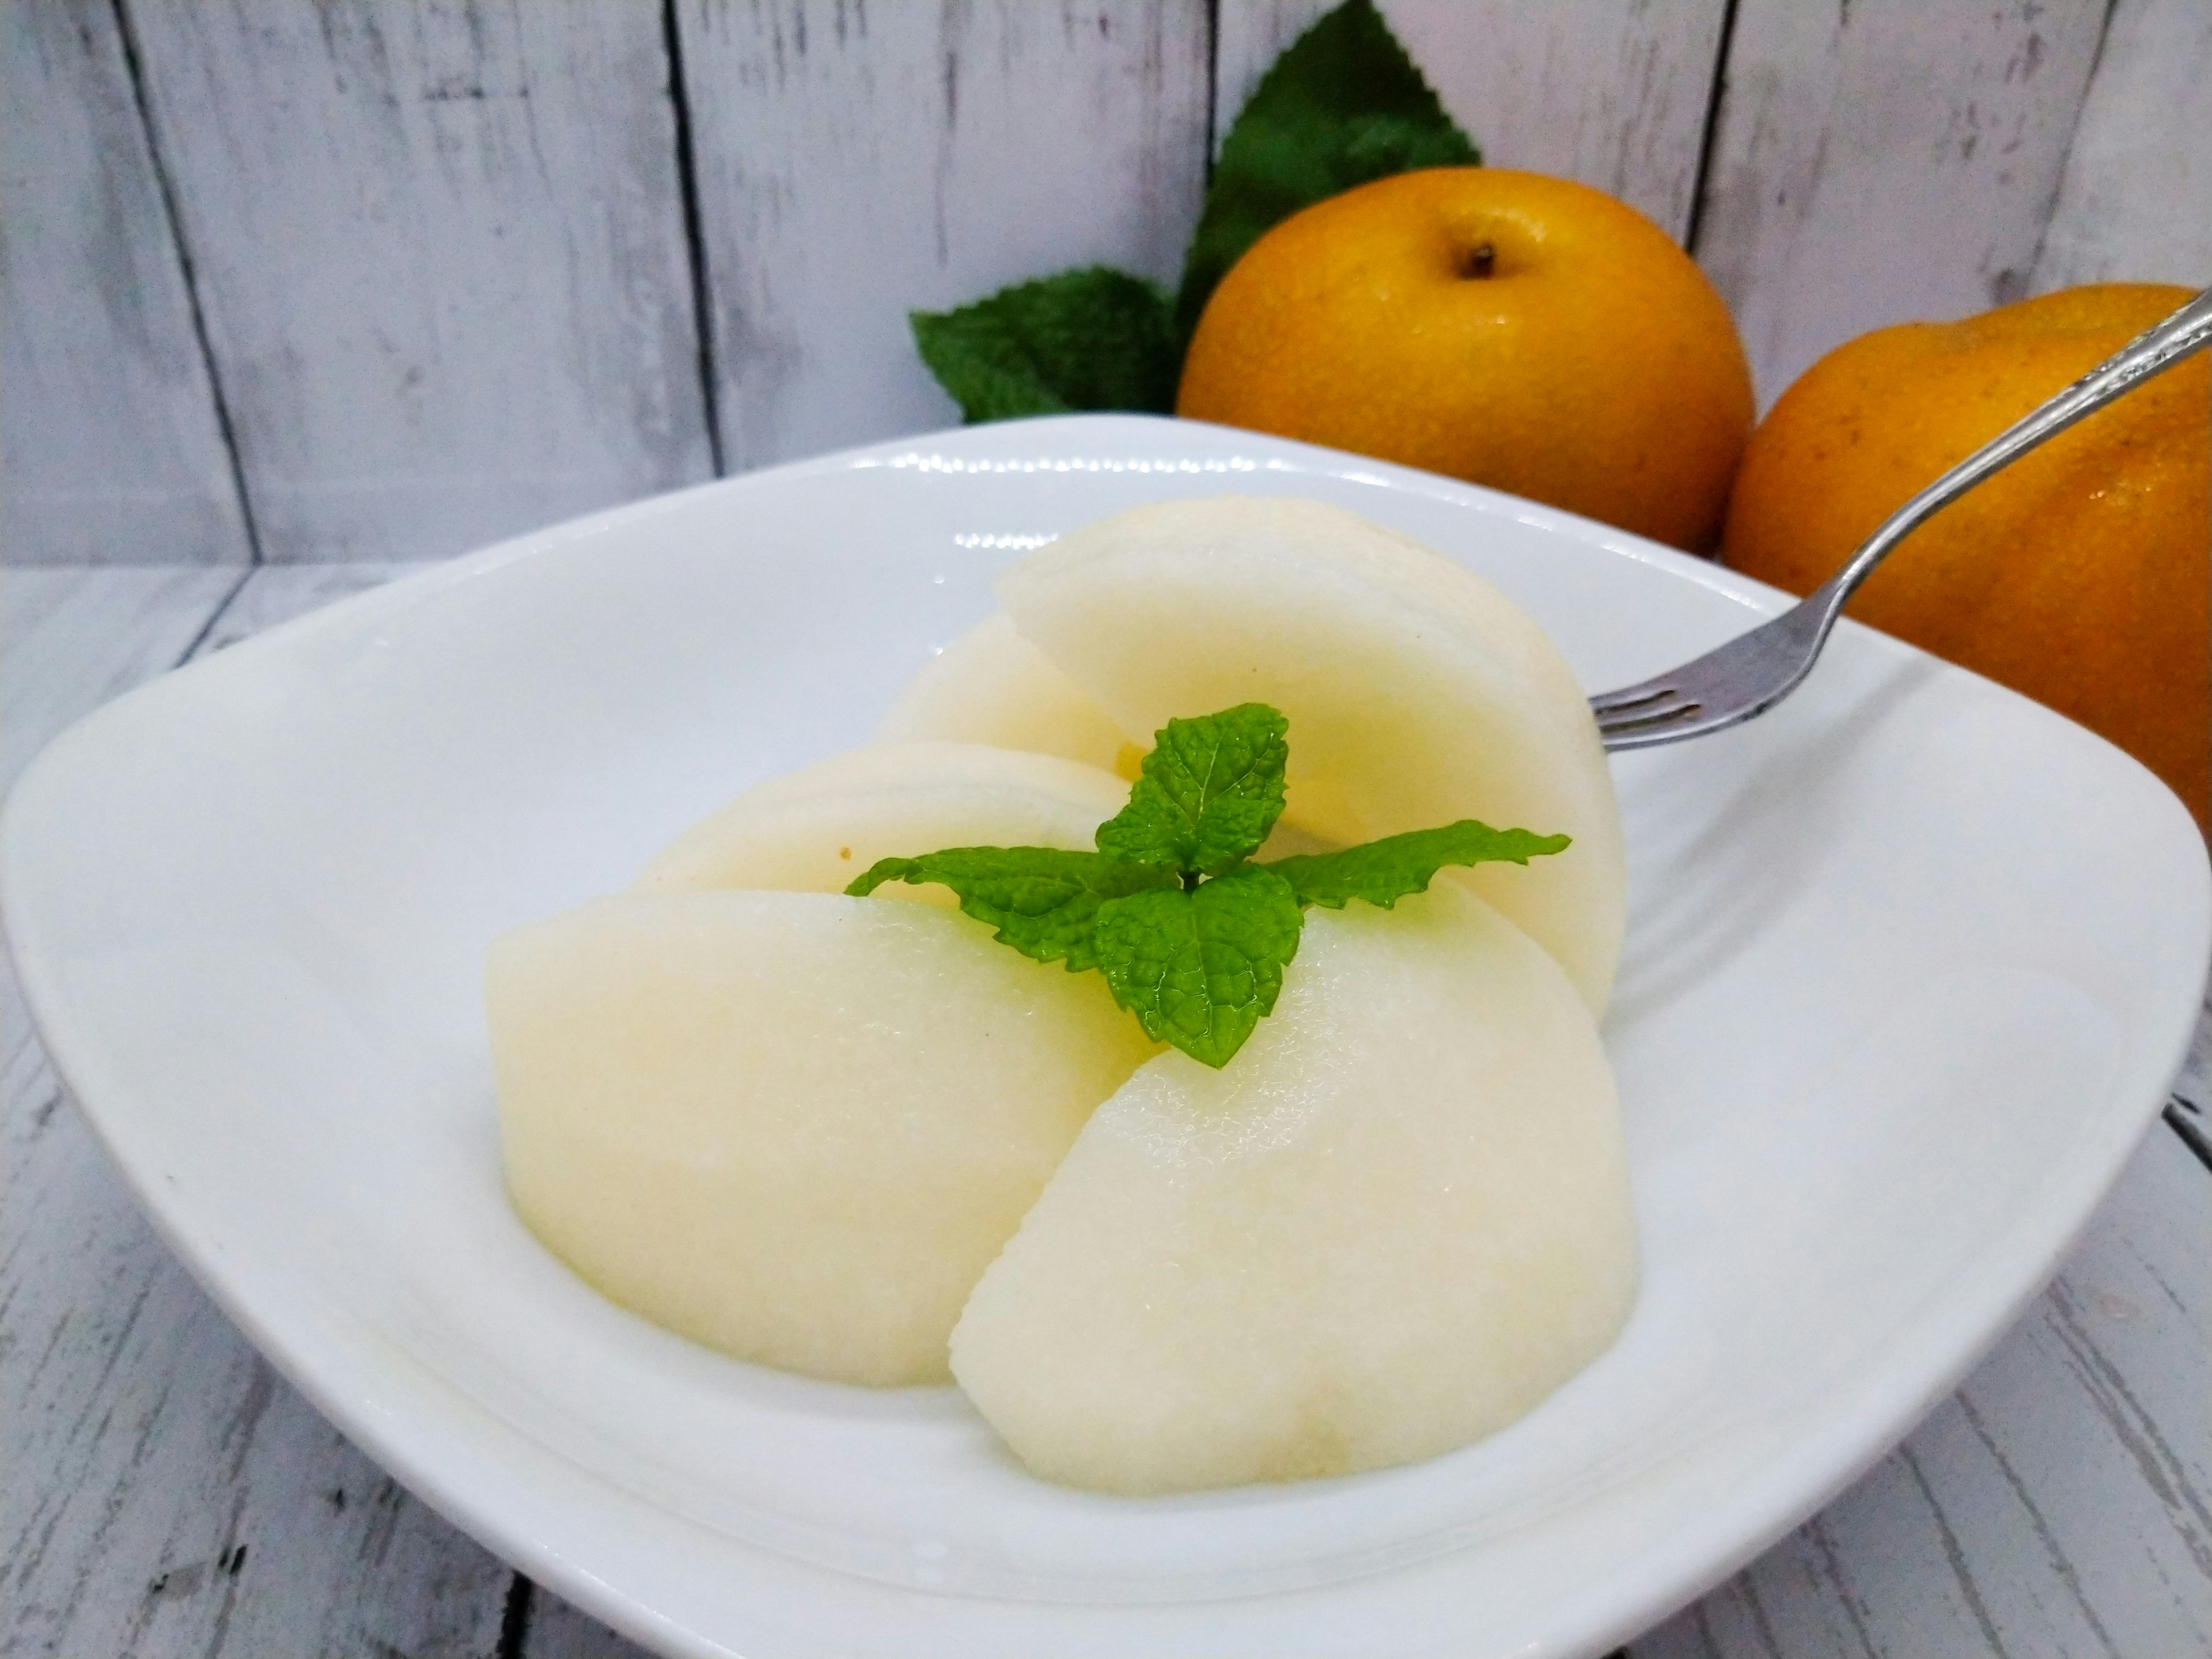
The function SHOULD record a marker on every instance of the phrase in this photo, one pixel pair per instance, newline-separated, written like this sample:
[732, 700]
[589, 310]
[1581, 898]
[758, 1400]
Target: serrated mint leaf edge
[1200, 909]
[1063, 933]
[1162, 823]
[1137, 356]
[1407, 863]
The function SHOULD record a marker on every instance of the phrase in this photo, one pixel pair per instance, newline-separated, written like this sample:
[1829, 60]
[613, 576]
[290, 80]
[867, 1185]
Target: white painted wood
[2056, 1506]
[856, 162]
[1611, 94]
[2194, 1084]
[440, 252]
[71, 639]
[2136, 205]
[1879, 161]
[558, 1630]
[166, 1494]
[110, 451]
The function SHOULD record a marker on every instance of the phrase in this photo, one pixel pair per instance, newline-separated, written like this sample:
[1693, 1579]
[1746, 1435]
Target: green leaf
[1192, 939]
[1093, 338]
[1383, 871]
[1345, 106]
[1042, 900]
[1200, 967]
[1209, 792]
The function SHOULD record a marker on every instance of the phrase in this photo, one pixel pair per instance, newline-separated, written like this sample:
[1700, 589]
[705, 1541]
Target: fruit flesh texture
[1592, 366]
[794, 1127]
[2078, 575]
[1397, 1221]
[1417, 694]
[814, 830]
[992, 686]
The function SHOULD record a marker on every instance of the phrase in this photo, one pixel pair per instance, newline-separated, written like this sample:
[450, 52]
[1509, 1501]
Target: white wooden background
[337, 284]
[299, 280]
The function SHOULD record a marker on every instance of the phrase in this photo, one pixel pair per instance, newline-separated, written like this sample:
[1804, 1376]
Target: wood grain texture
[72, 639]
[166, 1493]
[1611, 94]
[2194, 1083]
[2135, 203]
[1879, 162]
[856, 162]
[440, 252]
[2056, 1506]
[558, 1630]
[110, 449]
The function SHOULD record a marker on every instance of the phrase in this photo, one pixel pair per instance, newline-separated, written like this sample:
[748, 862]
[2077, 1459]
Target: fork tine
[1628, 697]
[1618, 723]
[1753, 671]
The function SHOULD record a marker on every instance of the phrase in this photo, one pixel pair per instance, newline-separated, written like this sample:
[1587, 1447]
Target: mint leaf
[1383, 871]
[1193, 939]
[1200, 967]
[1208, 794]
[1042, 900]
[1343, 105]
[1093, 338]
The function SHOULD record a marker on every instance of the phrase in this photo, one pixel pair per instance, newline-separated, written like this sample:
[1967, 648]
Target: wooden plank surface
[858, 162]
[110, 447]
[441, 249]
[2193, 1088]
[2135, 203]
[558, 1630]
[441, 252]
[1614, 96]
[168, 1495]
[72, 639]
[1885, 161]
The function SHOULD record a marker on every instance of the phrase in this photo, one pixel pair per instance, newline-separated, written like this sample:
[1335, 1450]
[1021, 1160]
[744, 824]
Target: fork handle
[2158, 348]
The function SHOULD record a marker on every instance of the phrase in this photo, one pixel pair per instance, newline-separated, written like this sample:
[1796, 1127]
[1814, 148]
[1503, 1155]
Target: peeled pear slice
[993, 686]
[1397, 1221]
[1418, 694]
[794, 1126]
[813, 831]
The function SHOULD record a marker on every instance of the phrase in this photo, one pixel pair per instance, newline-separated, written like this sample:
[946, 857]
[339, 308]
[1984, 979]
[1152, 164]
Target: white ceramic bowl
[1910, 963]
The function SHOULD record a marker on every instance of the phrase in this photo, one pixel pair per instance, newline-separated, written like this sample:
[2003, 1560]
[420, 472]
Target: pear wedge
[813, 831]
[1418, 694]
[1396, 1222]
[794, 1126]
[993, 686]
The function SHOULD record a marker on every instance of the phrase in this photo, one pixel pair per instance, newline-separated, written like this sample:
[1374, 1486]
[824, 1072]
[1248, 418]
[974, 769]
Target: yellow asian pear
[2078, 575]
[1512, 330]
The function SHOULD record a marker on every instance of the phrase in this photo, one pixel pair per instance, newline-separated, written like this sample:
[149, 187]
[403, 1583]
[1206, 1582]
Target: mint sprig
[1044, 901]
[1383, 871]
[1093, 338]
[1207, 795]
[1199, 967]
[1192, 937]
[1343, 105]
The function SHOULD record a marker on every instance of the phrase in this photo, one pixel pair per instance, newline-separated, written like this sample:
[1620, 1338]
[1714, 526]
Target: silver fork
[1755, 670]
